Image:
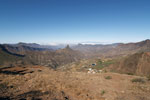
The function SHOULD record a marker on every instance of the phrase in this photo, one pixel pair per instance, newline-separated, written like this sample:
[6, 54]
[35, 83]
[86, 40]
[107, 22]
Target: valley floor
[41, 83]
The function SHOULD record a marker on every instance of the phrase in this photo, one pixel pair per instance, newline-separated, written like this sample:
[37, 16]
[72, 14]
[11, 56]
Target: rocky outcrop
[138, 64]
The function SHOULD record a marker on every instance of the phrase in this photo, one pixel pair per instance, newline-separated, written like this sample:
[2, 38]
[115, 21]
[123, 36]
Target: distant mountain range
[112, 50]
[55, 56]
[33, 54]
[36, 46]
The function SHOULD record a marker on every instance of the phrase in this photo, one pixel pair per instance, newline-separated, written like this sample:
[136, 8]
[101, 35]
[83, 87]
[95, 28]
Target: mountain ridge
[113, 50]
[36, 56]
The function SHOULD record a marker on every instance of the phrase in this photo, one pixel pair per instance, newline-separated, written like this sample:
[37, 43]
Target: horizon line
[76, 43]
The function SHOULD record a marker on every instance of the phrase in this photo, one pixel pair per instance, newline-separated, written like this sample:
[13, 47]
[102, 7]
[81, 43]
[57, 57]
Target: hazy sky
[71, 21]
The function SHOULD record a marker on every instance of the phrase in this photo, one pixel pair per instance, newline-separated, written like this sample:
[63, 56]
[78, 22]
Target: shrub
[130, 73]
[103, 92]
[148, 78]
[3, 86]
[105, 71]
[108, 77]
[139, 80]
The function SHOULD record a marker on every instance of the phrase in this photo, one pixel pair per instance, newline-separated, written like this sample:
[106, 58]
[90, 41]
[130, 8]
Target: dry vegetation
[47, 84]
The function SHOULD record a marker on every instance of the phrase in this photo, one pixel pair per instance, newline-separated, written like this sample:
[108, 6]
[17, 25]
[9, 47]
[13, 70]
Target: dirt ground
[47, 84]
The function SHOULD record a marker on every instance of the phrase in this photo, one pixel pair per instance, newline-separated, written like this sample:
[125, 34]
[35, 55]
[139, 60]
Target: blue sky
[73, 21]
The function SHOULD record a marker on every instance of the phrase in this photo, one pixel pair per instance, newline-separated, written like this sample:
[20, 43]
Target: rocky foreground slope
[46, 84]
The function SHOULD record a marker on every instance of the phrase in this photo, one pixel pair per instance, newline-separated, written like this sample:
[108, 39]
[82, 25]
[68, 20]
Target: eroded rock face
[138, 64]
[143, 67]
